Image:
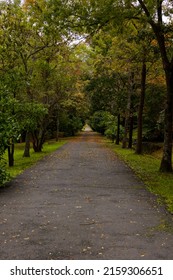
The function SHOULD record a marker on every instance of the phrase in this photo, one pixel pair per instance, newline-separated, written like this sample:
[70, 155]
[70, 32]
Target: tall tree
[154, 12]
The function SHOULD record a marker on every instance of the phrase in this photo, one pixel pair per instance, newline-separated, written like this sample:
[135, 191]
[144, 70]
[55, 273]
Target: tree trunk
[159, 30]
[140, 110]
[38, 140]
[166, 163]
[131, 132]
[126, 128]
[57, 128]
[118, 130]
[11, 155]
[128, 110]
[27, 145]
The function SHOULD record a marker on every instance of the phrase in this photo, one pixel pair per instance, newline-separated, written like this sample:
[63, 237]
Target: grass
[147, 169]
[21, 163]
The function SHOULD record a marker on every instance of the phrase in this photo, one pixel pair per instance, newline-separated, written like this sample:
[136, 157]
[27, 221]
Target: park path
[82, 202]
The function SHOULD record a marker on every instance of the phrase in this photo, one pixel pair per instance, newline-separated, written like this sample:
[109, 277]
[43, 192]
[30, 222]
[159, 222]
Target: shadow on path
[82, 202]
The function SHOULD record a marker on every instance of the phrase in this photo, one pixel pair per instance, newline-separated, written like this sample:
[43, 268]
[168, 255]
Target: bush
[4, 176]
[69, 125]
[111, 131]
[105, 123]
[9, 130]
[101, 120]
[153, 135]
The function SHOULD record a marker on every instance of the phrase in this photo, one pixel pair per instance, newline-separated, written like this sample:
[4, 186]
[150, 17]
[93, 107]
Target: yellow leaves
[28, 3]
[86, 249]
[26, 238]
[132, 222]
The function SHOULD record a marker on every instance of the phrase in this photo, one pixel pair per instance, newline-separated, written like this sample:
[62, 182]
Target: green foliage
[154, 112]
[101, 91]
[105, 123]
[101, 120]
[70, 124]
[9, 130]
[107, 91]
[4, 176]
[111, 131]
[39, 68]
[73, 113]
[30, 115]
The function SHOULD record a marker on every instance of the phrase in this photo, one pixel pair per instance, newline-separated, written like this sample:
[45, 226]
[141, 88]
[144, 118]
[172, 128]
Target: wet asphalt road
[82, 202]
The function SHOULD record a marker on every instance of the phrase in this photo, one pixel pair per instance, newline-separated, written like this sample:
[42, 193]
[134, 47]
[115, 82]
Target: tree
[154, 14]
[33, 38]
[145, 56]
[9, 129]
[9, 75]
[18, 50]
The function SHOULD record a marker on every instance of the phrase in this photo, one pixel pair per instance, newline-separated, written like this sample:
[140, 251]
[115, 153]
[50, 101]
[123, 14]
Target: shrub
[101, 120]
[111, 131]
[4, 176]
[69, 125]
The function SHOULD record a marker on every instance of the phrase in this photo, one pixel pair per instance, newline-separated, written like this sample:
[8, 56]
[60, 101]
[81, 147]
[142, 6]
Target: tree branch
[144, 7]
[157, 28]
[159, 11]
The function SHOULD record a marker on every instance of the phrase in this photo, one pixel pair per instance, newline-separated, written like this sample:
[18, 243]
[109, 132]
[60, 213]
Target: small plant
[4, 176]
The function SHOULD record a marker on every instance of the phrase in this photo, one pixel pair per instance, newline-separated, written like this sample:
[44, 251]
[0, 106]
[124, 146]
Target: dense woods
[65, 62]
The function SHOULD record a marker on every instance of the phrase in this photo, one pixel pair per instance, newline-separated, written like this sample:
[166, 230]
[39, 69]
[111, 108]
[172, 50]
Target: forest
[105, 62]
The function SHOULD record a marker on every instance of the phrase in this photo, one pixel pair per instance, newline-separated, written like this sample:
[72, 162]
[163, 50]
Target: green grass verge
[21, 163]
[147, 169]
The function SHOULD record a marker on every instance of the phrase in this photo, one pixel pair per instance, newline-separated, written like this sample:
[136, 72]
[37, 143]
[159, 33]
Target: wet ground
[82, 202]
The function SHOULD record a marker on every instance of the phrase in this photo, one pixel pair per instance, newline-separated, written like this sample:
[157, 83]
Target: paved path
[81, 202]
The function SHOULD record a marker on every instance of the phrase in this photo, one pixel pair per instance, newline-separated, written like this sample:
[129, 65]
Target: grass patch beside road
[147, 169]
[21, 163]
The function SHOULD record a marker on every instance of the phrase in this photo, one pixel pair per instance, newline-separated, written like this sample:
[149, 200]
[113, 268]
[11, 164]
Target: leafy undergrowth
[147, 169]
[21, 163]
